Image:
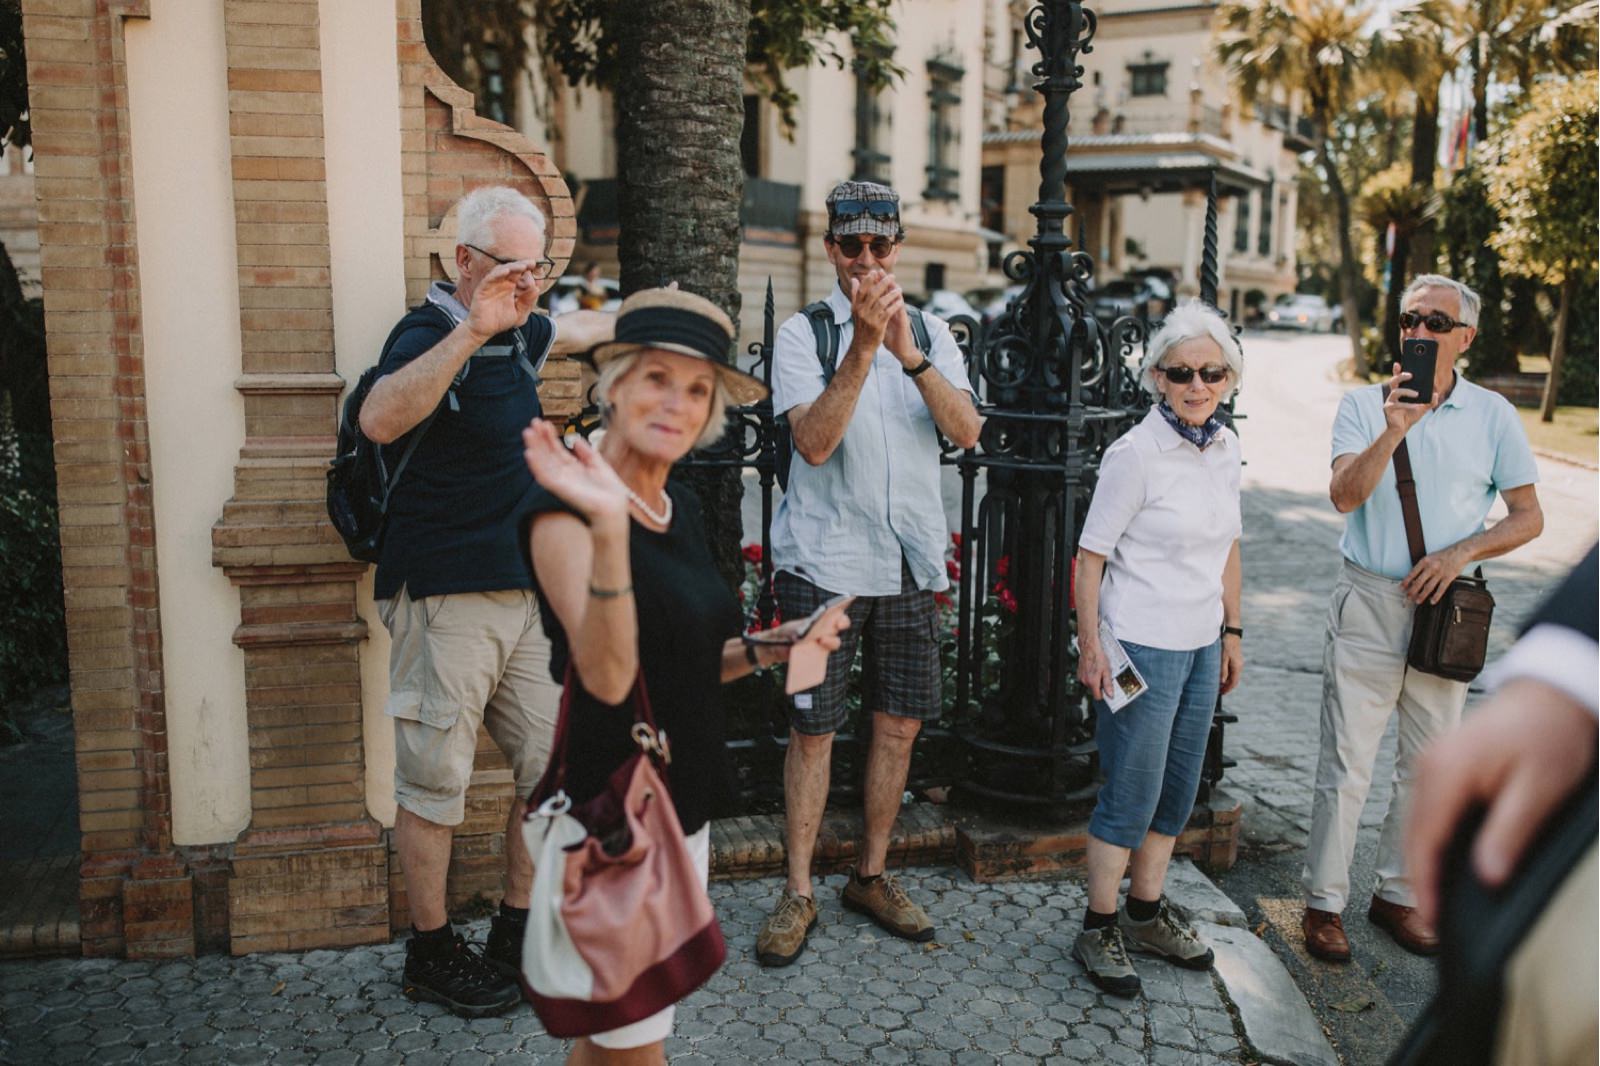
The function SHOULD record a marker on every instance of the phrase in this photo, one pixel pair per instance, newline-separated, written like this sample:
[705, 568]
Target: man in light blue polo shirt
[862, 516]
[1465, 446]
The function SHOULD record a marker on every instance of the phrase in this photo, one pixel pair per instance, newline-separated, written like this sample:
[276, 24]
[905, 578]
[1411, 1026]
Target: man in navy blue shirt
[453, 585]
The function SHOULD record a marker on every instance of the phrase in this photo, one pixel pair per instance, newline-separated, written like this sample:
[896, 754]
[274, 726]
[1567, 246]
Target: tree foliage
[579, 40]
[14, 126]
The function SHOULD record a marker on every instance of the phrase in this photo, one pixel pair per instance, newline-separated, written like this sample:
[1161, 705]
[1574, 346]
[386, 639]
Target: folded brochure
[1127, 684]
[808, 661]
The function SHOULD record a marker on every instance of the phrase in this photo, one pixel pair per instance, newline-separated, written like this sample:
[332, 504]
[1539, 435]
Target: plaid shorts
[900, 667]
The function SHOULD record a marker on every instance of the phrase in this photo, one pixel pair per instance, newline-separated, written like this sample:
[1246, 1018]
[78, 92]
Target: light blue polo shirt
[1463, 453]
[845, 525]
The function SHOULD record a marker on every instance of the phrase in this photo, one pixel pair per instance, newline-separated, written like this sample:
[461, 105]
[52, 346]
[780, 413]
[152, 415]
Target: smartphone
[1417, 358]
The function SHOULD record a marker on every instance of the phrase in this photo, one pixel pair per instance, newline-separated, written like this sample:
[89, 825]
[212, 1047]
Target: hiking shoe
[503, 948]
[1168, 935]
[783, 935]
[885, 902]
[459, 980]
[1105, 957]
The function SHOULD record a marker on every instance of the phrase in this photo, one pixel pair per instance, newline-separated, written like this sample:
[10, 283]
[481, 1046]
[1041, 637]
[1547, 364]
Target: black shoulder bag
[1450, 638]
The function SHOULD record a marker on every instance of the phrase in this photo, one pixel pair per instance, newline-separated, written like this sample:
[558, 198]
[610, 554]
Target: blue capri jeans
[1152, 749]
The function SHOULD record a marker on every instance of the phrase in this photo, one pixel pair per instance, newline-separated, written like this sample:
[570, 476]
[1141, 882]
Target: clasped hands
[878, 306]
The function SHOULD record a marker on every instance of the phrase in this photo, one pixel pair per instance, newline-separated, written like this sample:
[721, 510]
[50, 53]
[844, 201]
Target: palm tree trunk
[680, 109]
[1392, 291]
[1558, 350]
[1480, 90]
[1424, 161]
[1347, 260]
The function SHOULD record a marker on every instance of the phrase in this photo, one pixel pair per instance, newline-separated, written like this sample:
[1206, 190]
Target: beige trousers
[1550, 1015]
[1364, 680]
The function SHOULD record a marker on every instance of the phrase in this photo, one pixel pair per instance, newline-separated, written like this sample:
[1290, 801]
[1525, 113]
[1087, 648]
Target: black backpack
[827, 332]
[360, 478]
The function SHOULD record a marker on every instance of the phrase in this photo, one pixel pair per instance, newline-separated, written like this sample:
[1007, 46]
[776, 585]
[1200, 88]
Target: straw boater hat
[676, 321]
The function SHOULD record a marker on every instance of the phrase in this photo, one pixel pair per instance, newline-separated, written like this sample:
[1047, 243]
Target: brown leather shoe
[885, 902]
[1325, 937]
[1405, 925]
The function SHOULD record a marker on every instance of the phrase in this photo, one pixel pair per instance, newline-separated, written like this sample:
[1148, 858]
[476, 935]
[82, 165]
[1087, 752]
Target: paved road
[1291, 559]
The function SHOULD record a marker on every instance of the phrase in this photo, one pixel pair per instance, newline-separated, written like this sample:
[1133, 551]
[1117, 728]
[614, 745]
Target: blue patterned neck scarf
[1200, 436]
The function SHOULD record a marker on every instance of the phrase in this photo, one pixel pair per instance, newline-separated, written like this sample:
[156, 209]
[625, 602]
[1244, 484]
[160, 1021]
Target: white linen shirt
[845, 525]
[1165, 515]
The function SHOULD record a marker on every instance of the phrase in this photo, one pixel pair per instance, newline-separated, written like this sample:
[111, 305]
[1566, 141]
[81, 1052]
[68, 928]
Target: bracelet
[1235, 630]
[750, 656]
[912, 372]
[609, 594]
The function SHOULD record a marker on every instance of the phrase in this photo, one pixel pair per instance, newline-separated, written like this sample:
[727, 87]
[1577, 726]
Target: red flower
[941, 600]
[1003, 566]
[752, 554]
[1008, 601]
[955, 538]
[953, 569]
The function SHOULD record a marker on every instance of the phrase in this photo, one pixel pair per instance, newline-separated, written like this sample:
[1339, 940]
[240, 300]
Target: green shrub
[33, 641]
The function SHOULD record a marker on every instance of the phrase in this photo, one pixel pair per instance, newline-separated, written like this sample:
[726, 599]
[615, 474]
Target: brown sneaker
[1325, 937]
[885, 902]
[1404, 924]
[783, 936]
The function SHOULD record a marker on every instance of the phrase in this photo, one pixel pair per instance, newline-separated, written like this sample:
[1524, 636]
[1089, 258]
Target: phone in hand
[1418, 355]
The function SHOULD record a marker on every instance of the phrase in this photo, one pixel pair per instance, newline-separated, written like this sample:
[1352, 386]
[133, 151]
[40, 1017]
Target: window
[493, 91]
[944, 110]
[868, 161]
[1264, 233]
[932, 278]
[1148, 79]
[1241, 224]
[750, 136]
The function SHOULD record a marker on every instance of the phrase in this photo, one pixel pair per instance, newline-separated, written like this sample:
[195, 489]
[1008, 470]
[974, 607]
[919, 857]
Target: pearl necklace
[663, 519]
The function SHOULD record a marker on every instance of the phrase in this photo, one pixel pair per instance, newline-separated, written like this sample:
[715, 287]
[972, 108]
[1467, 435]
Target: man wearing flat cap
[866, 384]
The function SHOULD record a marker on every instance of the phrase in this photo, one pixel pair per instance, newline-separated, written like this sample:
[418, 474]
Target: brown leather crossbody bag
[1449, 638]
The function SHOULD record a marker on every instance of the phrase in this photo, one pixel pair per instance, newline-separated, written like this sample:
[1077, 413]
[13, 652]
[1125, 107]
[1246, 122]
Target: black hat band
[652, 327]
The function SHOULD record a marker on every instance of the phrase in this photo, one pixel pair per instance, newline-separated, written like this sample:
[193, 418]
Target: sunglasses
[852, 246]
[1436, 321]
[1182, 375]
[845, 210]
[541, 268]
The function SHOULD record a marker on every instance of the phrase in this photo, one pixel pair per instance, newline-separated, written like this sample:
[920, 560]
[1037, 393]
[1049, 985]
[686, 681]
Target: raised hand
[579, 476]
[874, 302]
[1398, 412]
[504, 299]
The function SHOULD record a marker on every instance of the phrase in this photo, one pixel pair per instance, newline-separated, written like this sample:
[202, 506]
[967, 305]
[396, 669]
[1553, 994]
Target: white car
[1301, 311]
[947, 304]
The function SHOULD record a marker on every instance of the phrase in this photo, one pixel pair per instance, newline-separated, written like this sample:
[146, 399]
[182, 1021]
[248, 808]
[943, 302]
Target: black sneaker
[503, 949]
[458, 980]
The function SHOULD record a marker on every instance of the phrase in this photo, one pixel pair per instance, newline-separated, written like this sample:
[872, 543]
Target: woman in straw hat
[626, 582]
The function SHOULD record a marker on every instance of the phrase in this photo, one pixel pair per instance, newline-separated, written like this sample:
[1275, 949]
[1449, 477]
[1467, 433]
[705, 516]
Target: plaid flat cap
[842, 224]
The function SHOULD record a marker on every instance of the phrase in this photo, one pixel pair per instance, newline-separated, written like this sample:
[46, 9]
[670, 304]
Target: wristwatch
[913, 371]
[1235, 630]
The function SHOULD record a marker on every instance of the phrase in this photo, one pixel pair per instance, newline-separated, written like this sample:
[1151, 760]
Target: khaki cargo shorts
[456, 661]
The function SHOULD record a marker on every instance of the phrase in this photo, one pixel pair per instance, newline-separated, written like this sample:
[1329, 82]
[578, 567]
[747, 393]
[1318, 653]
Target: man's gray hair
[618, 367]
[1470, 303]
[476, 212]
[1187, 321]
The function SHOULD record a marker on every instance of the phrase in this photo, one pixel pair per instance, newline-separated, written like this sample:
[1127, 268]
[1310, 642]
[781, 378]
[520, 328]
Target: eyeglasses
[1436, 321]
[845, 210]
[541, 268]
[1182, 375]
[852, 245]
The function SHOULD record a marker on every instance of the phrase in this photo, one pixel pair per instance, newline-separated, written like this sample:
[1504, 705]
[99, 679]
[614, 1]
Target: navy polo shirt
[455, 516]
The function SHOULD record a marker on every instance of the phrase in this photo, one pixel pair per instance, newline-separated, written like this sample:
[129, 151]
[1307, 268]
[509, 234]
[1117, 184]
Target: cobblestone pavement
[997, 986]
[1291, 559]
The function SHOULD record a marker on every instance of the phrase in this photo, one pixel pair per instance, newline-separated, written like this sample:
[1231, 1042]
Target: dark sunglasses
[1182, 375]
[852, 246]
[1436, 321]
[541, 268]
[845, 210]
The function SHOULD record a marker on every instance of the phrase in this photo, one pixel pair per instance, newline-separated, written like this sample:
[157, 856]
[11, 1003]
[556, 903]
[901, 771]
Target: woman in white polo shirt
[1159, 563]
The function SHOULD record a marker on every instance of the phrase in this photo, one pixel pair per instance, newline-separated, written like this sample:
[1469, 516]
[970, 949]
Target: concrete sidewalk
[997, 985]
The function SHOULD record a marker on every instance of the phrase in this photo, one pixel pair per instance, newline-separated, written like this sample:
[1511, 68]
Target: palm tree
[1317, 48]
[1413, 57]
[1391, 199]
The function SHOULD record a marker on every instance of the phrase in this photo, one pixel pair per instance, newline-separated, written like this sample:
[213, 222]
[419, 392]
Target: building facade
[1156, 122]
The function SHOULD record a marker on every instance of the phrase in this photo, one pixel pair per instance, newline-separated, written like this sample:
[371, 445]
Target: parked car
[1302, 311]
[564, 294]
[948, 304]
[1144, 297]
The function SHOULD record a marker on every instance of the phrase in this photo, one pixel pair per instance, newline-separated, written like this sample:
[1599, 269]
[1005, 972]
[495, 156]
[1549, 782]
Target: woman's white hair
[618, 368]
[476, 212]
[1186, 322]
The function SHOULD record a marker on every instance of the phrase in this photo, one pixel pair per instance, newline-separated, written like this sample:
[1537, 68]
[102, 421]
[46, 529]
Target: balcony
[769, 211]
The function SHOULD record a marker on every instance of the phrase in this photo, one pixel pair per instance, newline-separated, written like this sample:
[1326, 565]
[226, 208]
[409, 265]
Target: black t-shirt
[686, 614]
[456, 514]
